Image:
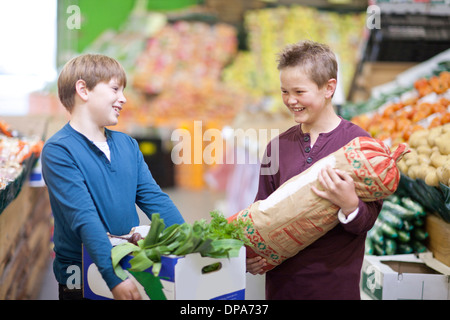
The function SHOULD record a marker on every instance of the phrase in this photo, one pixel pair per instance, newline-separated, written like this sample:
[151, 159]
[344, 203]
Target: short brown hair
[316, 59]
[93, 69]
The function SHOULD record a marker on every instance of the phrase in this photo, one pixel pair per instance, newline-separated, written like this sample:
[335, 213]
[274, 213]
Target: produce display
[182, 52]
[429, 158]
[213, 102]
[270, 30]
[217, 239]
[14, 150]
[425, 106]
[399, 228]
[16, 159]
[178, 75]
[281, 228]
[426, 170]
[419, 116]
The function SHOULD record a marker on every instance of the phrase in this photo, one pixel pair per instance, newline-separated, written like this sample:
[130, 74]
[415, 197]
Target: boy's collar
[70, 128]
[107, 133]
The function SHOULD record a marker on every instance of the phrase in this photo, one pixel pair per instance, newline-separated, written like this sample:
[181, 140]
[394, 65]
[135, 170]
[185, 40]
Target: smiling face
[306, 101]
[105, 102]
[92, 69]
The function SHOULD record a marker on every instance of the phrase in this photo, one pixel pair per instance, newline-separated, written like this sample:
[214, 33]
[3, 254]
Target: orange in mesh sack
[293, 216]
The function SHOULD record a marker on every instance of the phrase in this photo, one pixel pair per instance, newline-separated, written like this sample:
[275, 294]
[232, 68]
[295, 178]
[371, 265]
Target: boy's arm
[266, 185]
[338, 187]
[364, 219]
[72, 203]
[126, 290]
[150, 198]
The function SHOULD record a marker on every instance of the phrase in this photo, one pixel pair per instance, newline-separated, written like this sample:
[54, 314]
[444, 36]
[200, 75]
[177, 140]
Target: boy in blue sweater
[96, 176]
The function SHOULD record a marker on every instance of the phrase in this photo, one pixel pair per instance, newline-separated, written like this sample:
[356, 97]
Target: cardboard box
[378, 73]
[182, 278]
[439, 239]
[405, 277]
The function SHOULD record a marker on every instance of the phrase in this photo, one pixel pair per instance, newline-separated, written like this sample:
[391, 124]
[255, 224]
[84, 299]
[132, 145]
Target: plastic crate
[412, 38]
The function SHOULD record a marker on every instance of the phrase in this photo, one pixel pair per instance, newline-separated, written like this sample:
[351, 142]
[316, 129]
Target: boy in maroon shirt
[330, 267]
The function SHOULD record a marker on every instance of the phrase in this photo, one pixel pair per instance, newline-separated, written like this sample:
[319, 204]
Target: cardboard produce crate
[405, 277]
[439, 239]
[181, 278]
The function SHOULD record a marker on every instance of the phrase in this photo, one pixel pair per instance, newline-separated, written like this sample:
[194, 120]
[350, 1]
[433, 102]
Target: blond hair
[93, 69]
[316, 59]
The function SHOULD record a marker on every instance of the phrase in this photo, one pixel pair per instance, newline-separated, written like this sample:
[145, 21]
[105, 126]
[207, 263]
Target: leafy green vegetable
[140, 261]
[118, 253]
[217, 239]
[155, 230]
[220, 228]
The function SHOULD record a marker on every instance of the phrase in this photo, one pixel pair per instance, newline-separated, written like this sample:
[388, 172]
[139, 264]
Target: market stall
[416, 113]
[25, 215]
[203, 102]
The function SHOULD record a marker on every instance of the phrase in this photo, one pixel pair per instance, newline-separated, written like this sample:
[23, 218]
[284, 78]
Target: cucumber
[398, 229]
[387, 229]
[418, 246]
[407, 225]
[391, 218]
[375, 235]
[399, 210]
[393, 198]
[390, 246]
[403, 248]
[378, 249]
[418, 222]
[369, 249]
[413, 206]
[420, 234]
[403, 236]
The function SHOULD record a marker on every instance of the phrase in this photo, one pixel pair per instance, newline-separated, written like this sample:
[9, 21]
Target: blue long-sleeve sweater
[90, 195]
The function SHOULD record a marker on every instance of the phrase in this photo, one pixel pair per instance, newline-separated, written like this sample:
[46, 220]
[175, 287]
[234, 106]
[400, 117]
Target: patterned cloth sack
[293, 216]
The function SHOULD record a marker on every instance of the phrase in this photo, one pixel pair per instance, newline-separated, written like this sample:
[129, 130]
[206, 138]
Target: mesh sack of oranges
[293, 216]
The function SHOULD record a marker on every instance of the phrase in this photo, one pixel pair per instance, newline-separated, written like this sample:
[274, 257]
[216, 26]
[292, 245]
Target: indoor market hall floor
[193, 205]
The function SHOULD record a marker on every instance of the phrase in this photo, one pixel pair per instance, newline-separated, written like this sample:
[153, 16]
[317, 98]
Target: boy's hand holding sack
[293, 216]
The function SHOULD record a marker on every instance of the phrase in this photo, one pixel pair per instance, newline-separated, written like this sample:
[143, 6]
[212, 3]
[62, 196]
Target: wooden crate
[374, 74]
[232, 11]
[439, 238]
[378, 73]
[25, 244]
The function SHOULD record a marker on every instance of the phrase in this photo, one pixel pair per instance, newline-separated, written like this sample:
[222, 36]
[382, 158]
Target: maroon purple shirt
[330, 267]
